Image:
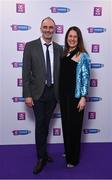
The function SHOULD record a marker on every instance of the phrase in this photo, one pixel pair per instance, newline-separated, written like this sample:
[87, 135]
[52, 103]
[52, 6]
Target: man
[41, 61]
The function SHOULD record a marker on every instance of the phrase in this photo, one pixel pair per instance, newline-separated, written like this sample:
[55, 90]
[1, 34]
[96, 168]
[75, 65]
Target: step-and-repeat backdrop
[20, 22]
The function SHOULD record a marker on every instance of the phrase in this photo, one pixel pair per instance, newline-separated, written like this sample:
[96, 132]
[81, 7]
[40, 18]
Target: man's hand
[29, 101]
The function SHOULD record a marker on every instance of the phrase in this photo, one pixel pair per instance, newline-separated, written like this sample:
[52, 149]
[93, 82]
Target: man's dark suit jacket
[34, 71]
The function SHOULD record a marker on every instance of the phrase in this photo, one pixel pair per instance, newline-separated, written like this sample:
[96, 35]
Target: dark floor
[17, 162]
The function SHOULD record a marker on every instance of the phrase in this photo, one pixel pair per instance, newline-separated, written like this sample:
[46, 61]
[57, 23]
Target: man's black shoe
[40, 165]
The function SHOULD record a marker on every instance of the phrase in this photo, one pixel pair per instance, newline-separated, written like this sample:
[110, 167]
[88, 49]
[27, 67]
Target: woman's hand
[81, 104]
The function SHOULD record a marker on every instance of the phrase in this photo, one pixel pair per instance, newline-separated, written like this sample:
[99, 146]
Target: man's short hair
[47, 18]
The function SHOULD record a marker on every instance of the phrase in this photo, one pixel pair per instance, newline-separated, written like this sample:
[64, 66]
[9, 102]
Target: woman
[74, 79]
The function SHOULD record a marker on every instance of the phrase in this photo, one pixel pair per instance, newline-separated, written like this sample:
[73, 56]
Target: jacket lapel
[40, 53]
[55, 55]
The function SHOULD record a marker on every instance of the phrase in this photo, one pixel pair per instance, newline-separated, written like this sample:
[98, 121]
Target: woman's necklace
[69, 52]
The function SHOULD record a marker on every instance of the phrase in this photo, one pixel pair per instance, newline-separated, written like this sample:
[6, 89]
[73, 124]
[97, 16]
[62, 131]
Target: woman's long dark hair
[80, 44]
